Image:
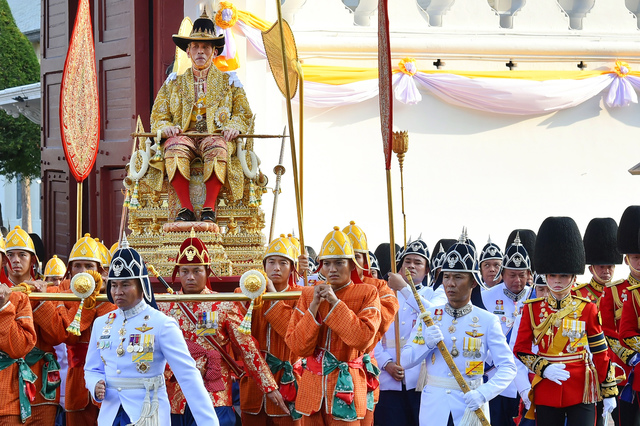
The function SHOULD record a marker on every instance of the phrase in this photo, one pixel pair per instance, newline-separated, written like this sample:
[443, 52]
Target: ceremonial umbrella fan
[281, 51]
[79, 107]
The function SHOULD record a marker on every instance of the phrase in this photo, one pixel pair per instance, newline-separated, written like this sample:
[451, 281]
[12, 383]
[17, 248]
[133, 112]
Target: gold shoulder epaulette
[579, 286]
[614, 283]
[537, 299]
[633, 287]
[584, 299]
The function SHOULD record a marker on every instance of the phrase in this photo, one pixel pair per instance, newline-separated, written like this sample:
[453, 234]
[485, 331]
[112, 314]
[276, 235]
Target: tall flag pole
[79, 107]
[386, 121]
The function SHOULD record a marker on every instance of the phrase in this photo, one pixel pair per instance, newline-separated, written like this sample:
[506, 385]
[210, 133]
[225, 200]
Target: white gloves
[433, 335]
[524, 395]
[634, 360]
[474, 400]
[609, 404]
[556, 373]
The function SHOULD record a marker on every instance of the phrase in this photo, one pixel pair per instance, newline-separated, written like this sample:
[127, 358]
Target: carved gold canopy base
[236, 247]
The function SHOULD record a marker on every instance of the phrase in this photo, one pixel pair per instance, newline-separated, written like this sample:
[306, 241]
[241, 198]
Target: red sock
[213, 186]
[181, 185]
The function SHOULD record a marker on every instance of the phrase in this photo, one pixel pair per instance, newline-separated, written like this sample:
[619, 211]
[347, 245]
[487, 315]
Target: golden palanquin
[236, 247]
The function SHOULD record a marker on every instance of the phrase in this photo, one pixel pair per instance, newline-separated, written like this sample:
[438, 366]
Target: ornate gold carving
[236, 249]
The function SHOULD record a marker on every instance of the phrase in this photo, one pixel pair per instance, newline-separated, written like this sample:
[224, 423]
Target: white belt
[451, 383]
[147, 382]
[149, 413]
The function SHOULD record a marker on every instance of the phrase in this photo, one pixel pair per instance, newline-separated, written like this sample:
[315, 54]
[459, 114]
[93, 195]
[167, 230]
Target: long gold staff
[400, 147]
[283, 56]
[202, 135]
[445, 352]
[164, 297]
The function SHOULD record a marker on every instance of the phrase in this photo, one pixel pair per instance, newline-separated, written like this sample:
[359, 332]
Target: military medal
[142, 367]
[121, 332]
[130, 346]
[454, 349]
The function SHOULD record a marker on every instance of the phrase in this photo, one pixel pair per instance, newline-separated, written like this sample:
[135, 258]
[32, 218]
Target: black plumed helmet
[527, 239]
[628, 231]
[601, 242]
[559, 248]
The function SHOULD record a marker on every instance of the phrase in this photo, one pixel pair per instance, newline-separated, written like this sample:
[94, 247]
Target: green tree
[19, 137]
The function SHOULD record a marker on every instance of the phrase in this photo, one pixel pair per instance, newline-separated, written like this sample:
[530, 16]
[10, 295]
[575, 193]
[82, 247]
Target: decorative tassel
[74, 327]
[422, 377]
[127, 198]
[134, 204]
[245, 325]
[419, 339]
[591, 393]
[252, 195]
[470, 418]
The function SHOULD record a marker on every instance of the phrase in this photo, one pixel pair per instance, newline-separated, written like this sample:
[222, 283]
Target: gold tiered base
[236, 247]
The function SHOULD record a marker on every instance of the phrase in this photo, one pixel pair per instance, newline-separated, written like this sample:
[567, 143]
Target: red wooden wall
[133, 49]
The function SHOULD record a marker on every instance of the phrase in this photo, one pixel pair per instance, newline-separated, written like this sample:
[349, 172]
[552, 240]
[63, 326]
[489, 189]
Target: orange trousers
[42, 415]
[261, 419]
[322, 418]
[86, 417]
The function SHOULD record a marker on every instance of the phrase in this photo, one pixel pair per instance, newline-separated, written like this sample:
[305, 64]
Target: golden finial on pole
[400, 147]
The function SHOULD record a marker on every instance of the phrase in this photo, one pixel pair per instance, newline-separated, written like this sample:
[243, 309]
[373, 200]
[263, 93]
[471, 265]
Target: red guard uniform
[563, 330]
[629, 328]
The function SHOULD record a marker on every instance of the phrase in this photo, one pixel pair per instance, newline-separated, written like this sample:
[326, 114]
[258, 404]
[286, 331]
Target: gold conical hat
[336, 245]
[105, 255]
[19, 239]
[357, 237]
[296, 244]
[282, 246]
[55, 267]
[86, 248]
[113, 249]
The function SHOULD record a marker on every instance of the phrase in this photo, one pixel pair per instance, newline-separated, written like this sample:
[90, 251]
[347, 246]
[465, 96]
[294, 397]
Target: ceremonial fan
[79, 106]
[253, 284]
[85, 285]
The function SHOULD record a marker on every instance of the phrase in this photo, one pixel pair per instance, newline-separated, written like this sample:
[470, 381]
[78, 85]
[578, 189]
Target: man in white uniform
[399, 402]
[506, 301]
[129, 349]
[470, 334]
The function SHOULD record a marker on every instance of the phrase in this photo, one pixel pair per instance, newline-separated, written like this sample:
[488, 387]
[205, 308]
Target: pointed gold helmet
[336, 245]
[282, 246]
[19, 239]
[86, 248]
[55, 268]
[105, 254]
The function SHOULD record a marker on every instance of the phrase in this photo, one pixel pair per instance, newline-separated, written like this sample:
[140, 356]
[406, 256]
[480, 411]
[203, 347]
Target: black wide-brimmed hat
[628, 231]
[559, 248]
[601, 242]
[527, 239]
[203, 30]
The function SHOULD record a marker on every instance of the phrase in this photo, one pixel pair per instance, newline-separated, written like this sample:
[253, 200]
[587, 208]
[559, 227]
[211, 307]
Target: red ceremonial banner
[79, 107]
[384, 82]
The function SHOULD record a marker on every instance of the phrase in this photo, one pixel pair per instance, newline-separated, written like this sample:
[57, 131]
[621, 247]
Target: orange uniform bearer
[388, 300]
[269, 327]
[333, 326]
